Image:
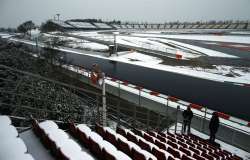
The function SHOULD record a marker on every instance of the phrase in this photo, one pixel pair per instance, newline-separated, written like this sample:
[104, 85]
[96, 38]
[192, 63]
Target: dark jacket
[214, 124]
[187, 115]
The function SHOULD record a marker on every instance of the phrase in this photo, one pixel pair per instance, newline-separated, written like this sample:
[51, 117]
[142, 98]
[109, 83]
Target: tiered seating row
[193, 146]
[97, 145]
[58, 141]
[166, 146]
[152, 148]
[11, 146]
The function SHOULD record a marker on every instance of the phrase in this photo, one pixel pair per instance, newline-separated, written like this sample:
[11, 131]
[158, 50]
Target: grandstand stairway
[81, 142]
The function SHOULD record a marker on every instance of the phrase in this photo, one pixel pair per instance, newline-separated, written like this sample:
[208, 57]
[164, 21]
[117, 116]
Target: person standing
[187, 117]
[213, 126]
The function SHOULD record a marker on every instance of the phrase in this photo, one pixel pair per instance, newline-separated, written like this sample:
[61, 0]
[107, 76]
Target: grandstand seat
[138, 132]
[148, 138]
[162, 134]
[160, 145]
[121, 131]
[216, 156]
[184, 157]
[124, 147]
[100, 130]
[174, 145]
[182, 144]
[144, 145]
[201, 149]
[191, 144]
[107, 155]
[110, 138]
[207, 156]
[159, 154]
[83, 137]
[73, 129]
[194, 150]
[61, 155]
[187, 152]
[171, 138]
[154, 134]
[197, 157]
[161, 138]
[137, 155]
[174, 152]
[170, 134]
[132, 138]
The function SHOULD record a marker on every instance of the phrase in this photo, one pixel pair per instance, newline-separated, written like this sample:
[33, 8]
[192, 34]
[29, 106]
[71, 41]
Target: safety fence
[238, 130]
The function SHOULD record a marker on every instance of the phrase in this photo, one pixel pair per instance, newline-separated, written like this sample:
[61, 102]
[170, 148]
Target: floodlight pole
[115, 43]
[104, 107]
[58, 15]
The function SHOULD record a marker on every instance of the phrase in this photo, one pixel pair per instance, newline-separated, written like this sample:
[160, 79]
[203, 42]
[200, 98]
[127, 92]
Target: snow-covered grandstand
[232, 26]
[62, 24]
[102, 26]
[82, 25]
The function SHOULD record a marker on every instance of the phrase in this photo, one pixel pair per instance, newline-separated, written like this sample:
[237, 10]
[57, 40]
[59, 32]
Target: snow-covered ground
[218, 38]
[224, 145]
[159, 44]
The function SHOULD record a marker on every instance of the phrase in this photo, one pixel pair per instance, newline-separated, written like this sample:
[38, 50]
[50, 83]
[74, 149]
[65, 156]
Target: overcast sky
[14, 12]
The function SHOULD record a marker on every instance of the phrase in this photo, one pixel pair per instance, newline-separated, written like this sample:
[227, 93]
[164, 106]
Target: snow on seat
[13, 149]
[4, 120]
[48, 125]
[58, 136]
[71, 150]
[84, 128]
[8, 131]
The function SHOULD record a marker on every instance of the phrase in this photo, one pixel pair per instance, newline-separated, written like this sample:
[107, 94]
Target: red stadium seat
[124, 147]
[197, 157]
[207, 156]
[83, 137]
[160, 145]
[187, 152]
[144, 146]
[191, 144]
[201, 149]
[182, 144]
[175, 153]
[100, 130]
[95, 148]
[172, 144]
[159, 154]
[73, 129]
[110, 138]
[162, 139]
[107, 155]
[132, 138]
[137, 155]
[148, 138]
[194, 150]
[184, 157]
[121, 131]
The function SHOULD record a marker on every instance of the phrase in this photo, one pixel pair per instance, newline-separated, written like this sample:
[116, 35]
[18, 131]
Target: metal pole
[139, 97]
[176, 119]
[104, 116]
[204, 119]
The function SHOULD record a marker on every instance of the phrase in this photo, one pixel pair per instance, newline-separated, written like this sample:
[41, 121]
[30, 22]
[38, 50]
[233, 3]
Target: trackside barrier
[86, 72]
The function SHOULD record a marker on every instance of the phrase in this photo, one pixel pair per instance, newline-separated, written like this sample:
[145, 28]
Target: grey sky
[14, 12]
